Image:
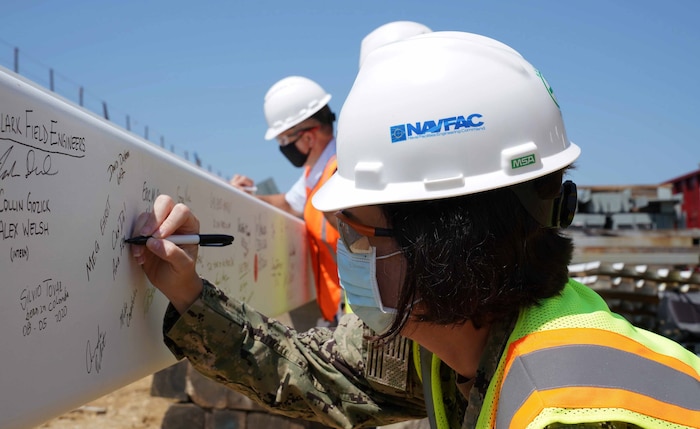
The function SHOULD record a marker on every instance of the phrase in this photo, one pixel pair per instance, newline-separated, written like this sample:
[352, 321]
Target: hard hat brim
[340, 193]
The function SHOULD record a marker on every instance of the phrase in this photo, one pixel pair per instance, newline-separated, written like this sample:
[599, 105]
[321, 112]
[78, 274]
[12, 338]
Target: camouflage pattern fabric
[318, 375]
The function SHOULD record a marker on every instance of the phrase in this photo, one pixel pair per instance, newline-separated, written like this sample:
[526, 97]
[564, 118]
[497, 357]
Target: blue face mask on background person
[358, 277]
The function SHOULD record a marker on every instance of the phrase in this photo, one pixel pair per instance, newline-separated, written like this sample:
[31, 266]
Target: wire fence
[44, 75]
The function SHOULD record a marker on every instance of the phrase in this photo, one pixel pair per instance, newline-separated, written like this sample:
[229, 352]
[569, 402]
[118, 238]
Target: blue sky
[625, 73]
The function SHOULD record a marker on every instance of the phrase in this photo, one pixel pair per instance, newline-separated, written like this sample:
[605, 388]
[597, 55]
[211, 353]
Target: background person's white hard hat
[290, 101]
[475, 38]
[440, 115]
[389, 33]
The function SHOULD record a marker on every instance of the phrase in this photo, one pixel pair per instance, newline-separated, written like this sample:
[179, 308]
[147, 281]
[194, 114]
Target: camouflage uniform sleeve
[316, 375]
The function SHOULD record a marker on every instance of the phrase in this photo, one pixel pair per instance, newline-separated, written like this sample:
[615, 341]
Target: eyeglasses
[285, 140]
[355, 235]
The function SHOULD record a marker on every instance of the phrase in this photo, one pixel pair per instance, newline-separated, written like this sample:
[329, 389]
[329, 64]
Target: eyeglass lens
[354, 241]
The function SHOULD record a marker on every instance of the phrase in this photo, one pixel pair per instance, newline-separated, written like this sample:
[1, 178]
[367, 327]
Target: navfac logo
[431, 128]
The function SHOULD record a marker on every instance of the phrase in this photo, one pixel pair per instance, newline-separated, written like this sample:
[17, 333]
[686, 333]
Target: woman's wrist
[188, 295]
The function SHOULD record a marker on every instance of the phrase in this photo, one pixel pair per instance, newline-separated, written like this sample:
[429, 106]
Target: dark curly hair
[477, 257]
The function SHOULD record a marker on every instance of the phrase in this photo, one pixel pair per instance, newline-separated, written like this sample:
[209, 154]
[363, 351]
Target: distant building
[637, 207]
[267, 187]
[688, 187]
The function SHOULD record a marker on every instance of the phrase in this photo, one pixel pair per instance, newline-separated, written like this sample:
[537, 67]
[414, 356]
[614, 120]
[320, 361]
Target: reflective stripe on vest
[428, 368]
[325, 236]
[594, 368]
[323, 239]
[578, 316]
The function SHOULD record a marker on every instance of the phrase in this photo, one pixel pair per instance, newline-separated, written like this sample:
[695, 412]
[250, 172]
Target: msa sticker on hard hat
[549, 88]
[523, 161]
[431, 128]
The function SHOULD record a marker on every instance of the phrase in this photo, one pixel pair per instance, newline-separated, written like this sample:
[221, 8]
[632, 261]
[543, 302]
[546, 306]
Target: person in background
[299, 118]
[297, 106]
[450, 199]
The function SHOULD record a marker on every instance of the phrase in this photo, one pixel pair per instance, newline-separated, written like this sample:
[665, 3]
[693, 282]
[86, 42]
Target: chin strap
[553, 213]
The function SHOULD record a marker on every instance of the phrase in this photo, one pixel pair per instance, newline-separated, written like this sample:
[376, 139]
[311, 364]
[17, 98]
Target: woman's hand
[169, 267]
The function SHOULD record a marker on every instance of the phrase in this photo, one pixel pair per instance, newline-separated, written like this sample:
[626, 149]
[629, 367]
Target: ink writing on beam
[71, 188]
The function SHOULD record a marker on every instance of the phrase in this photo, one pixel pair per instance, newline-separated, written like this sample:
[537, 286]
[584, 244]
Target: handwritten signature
[34, 166]
[93, 354]
[45, 169]
[9, 170]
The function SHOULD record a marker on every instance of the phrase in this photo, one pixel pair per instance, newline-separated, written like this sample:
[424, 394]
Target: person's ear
[310, 135]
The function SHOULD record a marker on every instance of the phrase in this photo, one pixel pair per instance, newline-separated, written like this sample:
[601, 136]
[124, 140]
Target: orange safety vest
[323, 239]
[571, 360]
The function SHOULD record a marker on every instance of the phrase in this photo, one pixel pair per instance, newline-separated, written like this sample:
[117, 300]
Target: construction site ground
[131, 407]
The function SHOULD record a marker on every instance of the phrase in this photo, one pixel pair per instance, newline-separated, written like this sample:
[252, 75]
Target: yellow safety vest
[570, 360]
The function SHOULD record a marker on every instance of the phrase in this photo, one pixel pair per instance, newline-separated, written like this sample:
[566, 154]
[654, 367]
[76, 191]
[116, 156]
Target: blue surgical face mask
[358, 277]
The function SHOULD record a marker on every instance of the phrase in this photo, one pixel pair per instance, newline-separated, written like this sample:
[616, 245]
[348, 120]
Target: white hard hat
[472, 37]
[290, 101]
[441, 115]
[389, 33]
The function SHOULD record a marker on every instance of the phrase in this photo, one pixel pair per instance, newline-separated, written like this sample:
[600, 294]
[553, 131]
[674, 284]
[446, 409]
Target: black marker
[210, 240]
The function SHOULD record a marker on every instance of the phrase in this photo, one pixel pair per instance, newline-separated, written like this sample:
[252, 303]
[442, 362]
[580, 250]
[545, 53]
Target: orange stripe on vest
[323, 239]
[592, 396]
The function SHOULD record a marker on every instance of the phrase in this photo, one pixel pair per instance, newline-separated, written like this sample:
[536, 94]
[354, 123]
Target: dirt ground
[131, 407]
